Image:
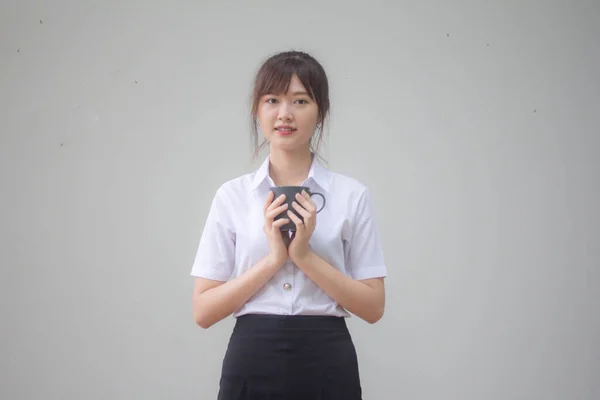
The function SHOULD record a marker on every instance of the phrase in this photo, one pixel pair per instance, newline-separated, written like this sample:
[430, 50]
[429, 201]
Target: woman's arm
[363, 298]
[216, 300]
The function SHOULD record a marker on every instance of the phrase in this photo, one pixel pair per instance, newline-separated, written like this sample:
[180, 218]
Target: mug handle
[323, 197]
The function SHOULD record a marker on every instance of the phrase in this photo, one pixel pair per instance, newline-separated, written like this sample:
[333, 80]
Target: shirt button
[287, 287]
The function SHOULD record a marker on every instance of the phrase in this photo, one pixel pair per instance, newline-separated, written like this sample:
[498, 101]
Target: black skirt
[273, 357]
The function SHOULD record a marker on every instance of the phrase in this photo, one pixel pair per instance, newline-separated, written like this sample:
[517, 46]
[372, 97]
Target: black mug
[290, 197]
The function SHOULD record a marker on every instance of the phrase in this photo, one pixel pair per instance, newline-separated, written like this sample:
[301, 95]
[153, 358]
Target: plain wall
[474, 124]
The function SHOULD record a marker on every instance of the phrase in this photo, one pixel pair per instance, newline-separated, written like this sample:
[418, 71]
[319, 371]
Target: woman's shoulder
[236, 186]
[346, 185]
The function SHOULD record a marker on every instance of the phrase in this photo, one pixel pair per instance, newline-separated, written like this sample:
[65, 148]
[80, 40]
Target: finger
[268, 201]
[302, 211]
[280, 222]
[274, 203]
[297, 221]
[306, 203]
[277, 202]
[271, 214]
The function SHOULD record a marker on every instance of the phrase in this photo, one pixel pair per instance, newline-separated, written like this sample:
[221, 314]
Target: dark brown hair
[274, 77]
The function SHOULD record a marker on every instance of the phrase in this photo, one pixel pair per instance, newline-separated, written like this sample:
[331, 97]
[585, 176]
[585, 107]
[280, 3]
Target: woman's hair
[274, 77]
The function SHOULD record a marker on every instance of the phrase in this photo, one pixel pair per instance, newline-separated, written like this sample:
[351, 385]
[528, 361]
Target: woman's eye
[302, 101]
[271, 100]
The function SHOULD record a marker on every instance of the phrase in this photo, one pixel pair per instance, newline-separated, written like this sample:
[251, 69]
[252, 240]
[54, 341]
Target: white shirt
[346, 236]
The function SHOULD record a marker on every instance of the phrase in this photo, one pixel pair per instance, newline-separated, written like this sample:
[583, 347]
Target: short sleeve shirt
[346, 236]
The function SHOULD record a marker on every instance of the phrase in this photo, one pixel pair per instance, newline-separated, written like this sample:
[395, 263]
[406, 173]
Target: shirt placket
[288, 283]
[288, 287]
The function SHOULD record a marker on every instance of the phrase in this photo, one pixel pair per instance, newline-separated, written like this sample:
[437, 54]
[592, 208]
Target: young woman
[290, 294]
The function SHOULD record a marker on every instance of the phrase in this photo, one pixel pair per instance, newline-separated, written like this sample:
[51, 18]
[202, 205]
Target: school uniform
[290, 340]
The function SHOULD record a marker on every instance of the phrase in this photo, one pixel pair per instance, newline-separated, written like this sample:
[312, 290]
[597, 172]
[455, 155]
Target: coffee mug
[290, 197]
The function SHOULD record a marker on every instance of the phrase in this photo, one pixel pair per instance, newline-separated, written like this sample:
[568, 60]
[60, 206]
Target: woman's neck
[289, 168]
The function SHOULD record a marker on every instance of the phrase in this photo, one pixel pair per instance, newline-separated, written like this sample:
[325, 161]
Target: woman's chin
[288, 143]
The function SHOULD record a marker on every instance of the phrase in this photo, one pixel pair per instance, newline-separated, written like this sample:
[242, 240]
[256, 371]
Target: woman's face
[288, 120]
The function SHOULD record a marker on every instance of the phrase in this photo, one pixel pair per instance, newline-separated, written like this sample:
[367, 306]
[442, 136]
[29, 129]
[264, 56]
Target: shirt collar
[318, 173]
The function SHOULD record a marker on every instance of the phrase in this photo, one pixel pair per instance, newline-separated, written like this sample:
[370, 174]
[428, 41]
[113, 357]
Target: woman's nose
[284, 112]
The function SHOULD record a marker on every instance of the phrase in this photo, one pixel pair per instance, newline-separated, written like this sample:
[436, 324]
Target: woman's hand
[278, 241]
[298, 248]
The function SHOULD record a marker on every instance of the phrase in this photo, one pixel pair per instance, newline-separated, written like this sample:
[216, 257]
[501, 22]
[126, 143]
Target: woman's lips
[285, 131]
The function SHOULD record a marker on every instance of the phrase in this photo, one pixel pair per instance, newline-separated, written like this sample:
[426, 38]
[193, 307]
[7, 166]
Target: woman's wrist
[274, 261]
[304, 259]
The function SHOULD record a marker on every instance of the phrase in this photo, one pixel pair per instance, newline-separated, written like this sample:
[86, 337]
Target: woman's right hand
[278, 240]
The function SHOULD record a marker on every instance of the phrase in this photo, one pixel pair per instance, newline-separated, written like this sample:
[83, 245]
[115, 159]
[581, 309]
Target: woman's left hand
[304, 205]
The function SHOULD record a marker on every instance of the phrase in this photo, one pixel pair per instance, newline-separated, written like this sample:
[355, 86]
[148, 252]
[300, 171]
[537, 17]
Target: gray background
[475, 124]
